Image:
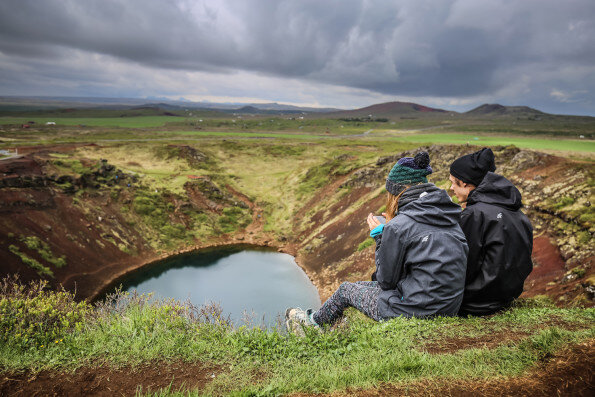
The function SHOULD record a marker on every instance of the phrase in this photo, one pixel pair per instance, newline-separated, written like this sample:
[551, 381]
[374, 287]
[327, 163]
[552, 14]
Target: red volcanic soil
[547, 277]
[547, 259]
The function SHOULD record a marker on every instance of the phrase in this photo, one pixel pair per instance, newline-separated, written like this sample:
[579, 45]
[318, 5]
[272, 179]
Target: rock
[569, 277]
[525, 159]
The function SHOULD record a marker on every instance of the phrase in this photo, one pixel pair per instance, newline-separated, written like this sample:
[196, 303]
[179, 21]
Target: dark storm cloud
[458, 48]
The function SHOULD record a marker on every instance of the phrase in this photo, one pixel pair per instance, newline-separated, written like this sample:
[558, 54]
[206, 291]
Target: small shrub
[232, 219]
[365, 244]
[588, 217]
[584, 237]
[564, 202]
[535, 302]
[578, 271]
[30, 316]
[143, 205]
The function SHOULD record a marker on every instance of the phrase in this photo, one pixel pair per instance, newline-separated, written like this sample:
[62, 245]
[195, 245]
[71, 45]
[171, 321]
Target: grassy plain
[551, 133]
[525, 142]
[128, 122]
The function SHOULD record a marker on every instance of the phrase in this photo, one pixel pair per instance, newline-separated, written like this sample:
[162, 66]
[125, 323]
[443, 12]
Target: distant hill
[500, 110]
[389, 110]
[31, 103]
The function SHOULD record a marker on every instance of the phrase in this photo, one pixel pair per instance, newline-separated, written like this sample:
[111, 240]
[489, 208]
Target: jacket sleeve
[389, 258]
[472, 225]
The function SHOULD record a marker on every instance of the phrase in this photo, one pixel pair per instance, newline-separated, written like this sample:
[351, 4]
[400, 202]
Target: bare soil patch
[547, 258]
[485, 341]
[107, 381]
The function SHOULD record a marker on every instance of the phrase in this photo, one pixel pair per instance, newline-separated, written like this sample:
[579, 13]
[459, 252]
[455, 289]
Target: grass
[365, 244]
[129, 330]
[158, 172]
[127, 122]
[555, 144]
[548, 134]
[32, 263]
[43, 249]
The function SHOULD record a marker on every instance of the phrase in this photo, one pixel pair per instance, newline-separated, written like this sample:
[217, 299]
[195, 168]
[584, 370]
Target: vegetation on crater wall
[32, 263]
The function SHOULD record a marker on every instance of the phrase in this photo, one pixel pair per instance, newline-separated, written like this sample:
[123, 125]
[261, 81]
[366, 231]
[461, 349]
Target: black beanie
[471, 168]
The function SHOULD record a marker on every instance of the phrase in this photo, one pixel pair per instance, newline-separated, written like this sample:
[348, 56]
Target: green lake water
[256, 282]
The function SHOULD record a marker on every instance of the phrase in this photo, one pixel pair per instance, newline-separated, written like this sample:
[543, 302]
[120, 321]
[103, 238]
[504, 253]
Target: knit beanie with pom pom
[408, 171]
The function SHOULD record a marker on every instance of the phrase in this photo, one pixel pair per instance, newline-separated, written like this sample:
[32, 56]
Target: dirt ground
[108, 382]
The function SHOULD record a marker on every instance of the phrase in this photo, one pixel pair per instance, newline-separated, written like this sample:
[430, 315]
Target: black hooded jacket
[500, 239]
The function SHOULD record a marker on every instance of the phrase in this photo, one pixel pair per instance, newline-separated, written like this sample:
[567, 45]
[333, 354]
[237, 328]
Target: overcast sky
[453, 54]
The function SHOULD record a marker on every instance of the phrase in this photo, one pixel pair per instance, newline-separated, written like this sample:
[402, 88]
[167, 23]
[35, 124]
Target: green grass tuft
[365, 244]
[32, 263]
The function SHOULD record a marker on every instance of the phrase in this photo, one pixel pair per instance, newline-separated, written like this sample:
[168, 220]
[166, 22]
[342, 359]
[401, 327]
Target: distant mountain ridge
[388, 110]
[49, 102]
[497, 109]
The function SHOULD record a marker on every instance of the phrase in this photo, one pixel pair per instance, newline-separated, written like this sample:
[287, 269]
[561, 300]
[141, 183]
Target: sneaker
[297, 319]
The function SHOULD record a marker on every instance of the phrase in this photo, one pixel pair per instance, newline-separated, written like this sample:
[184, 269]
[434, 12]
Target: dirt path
[105, 381]
[257, 219]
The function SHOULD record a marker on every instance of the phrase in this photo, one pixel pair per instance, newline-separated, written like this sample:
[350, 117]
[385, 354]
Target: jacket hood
[497, 190]
[434, 208]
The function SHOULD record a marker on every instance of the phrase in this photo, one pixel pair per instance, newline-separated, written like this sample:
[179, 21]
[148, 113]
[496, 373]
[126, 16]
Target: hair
[392, 203]
[459, 182]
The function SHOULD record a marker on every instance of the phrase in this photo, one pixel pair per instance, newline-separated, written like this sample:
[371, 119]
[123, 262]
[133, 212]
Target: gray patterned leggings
[363, 295]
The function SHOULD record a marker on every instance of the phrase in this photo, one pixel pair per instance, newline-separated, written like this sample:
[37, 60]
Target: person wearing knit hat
[420, 258]
[499, 235]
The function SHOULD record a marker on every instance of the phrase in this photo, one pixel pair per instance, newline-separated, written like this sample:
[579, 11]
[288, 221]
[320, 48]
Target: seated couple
[432, 259]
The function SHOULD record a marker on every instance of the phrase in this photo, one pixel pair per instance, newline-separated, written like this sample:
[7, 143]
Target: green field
[129, 122]
[551, 135]
[526, 142]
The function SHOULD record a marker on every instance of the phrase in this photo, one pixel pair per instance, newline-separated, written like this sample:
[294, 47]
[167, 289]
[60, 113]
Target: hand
[372, 221]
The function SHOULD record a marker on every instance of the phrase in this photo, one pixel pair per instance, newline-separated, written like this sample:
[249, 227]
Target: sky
[451, 54]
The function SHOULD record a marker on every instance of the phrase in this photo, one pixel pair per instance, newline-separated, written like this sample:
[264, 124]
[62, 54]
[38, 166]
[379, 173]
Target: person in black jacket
[499, 235]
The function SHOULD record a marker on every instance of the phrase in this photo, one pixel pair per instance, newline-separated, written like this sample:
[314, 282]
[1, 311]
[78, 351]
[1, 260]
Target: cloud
[456, 50]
